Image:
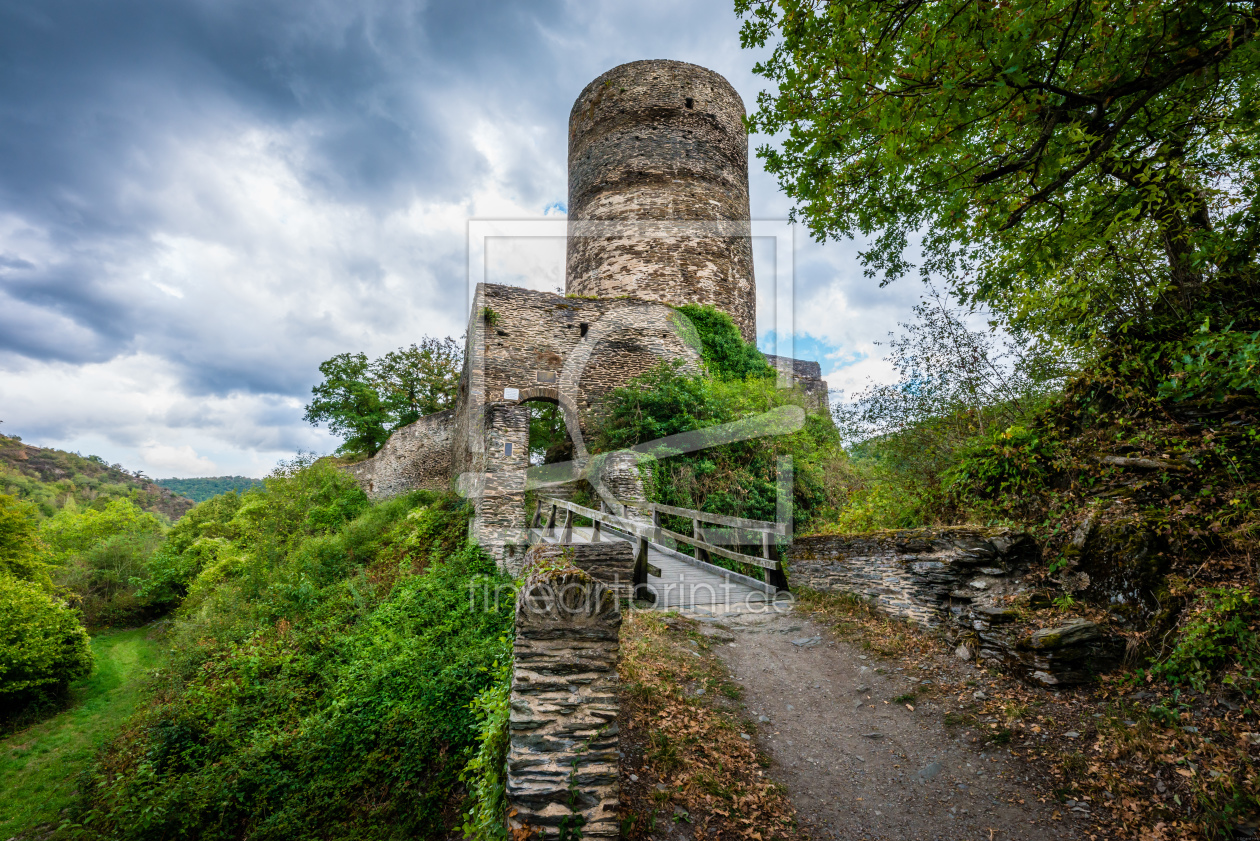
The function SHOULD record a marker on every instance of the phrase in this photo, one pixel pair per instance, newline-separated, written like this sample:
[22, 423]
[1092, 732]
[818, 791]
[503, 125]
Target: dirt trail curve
[859, 768]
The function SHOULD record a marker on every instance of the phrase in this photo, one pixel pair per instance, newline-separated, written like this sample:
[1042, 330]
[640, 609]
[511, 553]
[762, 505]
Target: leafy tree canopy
[364, 400]
[1075, 165]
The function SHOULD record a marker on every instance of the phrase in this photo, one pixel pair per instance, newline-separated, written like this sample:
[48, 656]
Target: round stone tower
[658, 190]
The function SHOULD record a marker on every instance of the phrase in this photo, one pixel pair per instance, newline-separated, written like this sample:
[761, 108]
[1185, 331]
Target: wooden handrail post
[550, 530]
[566, 533]
[641, 590]
[776, 577]
[533, 521]
[595, 529]
[701, 554]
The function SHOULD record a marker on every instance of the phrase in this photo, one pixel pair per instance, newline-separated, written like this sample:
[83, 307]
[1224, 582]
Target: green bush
[1004, 463]
[737, 479]
[1222, 634]
[1212, 364]
[73, 530]
[20, 547]
[484, 774]
[106, 577]
[42, 645]
[101, 555]
[725, 353]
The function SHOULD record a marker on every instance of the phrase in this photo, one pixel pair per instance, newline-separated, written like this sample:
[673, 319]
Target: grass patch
[39, 765]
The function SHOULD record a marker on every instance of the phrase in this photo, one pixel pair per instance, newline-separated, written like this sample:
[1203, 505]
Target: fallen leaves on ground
[698, 769]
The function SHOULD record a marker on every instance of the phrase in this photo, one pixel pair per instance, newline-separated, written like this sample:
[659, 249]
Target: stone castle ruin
[658, 217]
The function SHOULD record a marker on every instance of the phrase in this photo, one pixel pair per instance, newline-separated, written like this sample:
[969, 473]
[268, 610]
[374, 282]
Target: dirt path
[857, 763]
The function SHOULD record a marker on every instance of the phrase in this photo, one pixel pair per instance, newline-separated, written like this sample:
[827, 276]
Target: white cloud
[180, 461]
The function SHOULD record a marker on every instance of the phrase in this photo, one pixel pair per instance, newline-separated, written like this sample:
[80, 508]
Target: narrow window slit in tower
[691, 103]
[507, 449]
[584, 326]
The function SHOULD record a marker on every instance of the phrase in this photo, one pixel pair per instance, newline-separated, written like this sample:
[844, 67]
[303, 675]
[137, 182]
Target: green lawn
[39, 765]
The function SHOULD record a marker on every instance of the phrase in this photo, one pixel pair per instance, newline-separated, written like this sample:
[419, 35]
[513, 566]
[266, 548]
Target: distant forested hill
[49, 477]
[202, 489]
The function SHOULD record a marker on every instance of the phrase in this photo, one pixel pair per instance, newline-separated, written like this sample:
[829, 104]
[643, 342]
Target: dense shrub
[1219, 636]
[20, 547]
[42, 645]
[101, 555]
[74, 530]
[323, 666]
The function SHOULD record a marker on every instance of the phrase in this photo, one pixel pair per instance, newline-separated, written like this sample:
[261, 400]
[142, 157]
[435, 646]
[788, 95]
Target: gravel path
[859, 768]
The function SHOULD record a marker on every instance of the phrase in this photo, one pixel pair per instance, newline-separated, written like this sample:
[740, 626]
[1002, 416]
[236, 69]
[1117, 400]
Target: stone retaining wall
[971, 581]
[562, 765]
[912, 574]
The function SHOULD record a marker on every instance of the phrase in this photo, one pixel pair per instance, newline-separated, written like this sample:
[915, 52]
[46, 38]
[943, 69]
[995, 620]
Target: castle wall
[415, 456]
[661, 142]
[806, 375]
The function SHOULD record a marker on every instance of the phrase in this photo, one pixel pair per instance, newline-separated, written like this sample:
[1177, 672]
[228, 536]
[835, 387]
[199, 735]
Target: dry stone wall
[416, 456]
[656, 143]
[913, 574]
[971, 582]
[562, 765]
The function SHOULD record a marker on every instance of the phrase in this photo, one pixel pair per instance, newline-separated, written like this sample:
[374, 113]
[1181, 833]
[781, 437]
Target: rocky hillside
[46, 477]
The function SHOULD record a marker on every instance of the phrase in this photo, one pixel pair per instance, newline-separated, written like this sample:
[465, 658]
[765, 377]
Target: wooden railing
[650, 530]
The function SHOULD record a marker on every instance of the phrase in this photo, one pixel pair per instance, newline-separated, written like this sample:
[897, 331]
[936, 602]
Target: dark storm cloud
[96, 99]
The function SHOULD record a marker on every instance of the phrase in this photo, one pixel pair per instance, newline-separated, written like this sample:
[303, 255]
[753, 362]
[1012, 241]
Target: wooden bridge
[663, 574]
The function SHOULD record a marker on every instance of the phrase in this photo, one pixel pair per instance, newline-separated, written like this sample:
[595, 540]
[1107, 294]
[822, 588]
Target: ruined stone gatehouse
[658, 217]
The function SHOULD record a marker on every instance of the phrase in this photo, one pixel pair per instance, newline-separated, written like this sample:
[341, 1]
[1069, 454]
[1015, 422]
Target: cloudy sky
[201, 200]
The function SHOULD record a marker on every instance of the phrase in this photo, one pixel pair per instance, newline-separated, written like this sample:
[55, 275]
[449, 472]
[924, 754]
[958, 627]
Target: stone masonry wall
[970, 580]
[416, 456]
[911, 574]
[609, 562]
[661, 142]
[807, 376]
[562, 765]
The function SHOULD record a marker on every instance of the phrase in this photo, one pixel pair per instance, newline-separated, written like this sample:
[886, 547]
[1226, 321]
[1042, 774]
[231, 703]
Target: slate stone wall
[661, 142]
[562, 765]
[969, 580]
[913, 574]
[416, 456]
[609, 562]
[807, 376]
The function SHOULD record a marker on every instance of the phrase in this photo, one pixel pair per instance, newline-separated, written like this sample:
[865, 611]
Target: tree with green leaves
[1080, 167]
[349, 403]
[365, 400]
[419, 380]
[20, 547]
